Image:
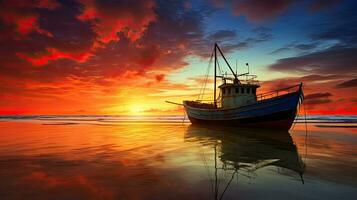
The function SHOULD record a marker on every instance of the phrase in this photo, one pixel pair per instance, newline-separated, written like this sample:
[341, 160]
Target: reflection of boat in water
[238, 103]
[248, 151]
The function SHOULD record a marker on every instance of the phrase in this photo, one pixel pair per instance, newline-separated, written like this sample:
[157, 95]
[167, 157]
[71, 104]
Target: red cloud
[257, 10]
[160, 77]
[54, 54]
[129, 17]
[26, 25]
[22, 17]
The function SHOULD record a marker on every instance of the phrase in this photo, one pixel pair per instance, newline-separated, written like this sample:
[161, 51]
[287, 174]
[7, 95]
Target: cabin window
[254, 90]
[237, 90]
[229, 91]
[223, 91]
[248, 90]
[242, 90]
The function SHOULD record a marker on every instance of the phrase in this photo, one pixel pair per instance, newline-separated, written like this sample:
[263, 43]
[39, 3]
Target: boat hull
[275, 113]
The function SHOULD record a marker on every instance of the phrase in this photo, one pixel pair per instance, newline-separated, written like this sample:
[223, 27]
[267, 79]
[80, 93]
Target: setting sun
[136, 109]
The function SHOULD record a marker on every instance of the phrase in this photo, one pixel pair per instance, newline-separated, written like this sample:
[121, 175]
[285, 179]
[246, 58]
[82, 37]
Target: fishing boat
[238, 103]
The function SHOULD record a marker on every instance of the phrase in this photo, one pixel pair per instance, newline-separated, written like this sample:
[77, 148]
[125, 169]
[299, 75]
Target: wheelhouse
[233, 95]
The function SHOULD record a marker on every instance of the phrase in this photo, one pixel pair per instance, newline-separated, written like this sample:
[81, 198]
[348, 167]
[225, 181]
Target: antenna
[247, 66]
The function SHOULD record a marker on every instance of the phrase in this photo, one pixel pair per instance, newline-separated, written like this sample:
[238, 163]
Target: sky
[127, 57]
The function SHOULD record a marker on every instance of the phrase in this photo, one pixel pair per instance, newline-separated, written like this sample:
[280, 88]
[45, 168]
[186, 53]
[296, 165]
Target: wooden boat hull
[274, 113]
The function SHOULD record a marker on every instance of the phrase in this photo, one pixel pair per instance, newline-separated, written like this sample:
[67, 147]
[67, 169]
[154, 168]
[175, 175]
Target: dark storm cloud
[348, 84]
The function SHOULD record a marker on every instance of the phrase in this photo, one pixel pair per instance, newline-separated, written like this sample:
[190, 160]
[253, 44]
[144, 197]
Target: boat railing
[250, 82]
[248, 78]
[244, 79]
[279, 92]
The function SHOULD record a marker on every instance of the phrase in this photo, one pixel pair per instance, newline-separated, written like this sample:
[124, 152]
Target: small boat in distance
[238, 103]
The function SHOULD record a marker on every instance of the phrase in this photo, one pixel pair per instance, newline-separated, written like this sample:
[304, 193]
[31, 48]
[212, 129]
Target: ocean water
[165, 157]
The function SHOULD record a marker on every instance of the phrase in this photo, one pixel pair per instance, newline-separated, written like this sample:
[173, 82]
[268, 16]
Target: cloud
[55, 54]
[105, 19]
[335, 60]
[262, 34]
[318, 95]
[280, 50]
[222, 35]
[259, 11]
[218, 3]
[348, 84]
[112, 17]
[160, 77]
[22, 18]
[305, 47]
[297, 47]
[319, 5]
[318, 98]
[70, 68]
[259, 34]
[336, 27]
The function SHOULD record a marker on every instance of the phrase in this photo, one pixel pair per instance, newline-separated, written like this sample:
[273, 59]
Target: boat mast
[236, 80]
[215, 75]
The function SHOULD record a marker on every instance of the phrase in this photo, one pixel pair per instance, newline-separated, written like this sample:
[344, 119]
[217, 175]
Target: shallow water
[101, 157]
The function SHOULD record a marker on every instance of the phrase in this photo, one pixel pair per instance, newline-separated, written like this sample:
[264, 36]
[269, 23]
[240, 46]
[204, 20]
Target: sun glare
[136, 109]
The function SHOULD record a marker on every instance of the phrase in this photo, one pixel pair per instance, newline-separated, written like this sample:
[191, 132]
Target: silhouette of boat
[248, 151]
[238, 103]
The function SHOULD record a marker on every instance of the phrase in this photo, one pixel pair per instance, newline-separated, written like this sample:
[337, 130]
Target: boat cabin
[237, 94]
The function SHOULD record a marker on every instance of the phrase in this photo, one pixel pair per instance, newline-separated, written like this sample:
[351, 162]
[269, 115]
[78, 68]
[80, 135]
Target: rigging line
[305, 136]
[206, 77]
[208, 171]
[229, 182]
[295, 120]
[215, 173]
